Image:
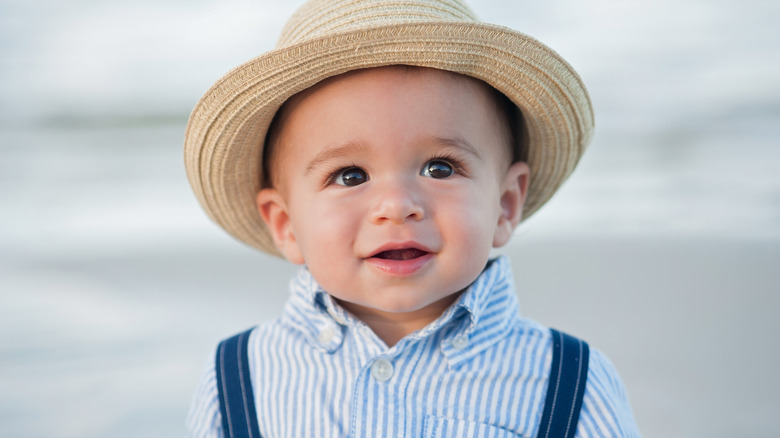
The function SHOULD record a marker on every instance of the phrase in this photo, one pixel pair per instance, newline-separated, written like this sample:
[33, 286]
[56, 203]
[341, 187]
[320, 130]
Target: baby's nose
[397, 204]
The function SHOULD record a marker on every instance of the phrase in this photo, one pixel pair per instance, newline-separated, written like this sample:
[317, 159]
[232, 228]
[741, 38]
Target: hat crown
[318, 18]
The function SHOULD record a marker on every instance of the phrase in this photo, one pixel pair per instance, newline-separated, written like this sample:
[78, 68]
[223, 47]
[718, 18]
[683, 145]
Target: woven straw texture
[226, 130]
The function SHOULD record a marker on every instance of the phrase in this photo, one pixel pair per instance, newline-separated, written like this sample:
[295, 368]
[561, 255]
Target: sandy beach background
[662, 250]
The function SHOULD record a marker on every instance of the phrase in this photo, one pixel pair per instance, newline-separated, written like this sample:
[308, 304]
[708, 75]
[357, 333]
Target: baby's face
[392, 186]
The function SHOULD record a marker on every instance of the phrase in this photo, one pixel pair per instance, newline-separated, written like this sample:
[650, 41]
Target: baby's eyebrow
[337, 152]
[458, 143]
[353, 148]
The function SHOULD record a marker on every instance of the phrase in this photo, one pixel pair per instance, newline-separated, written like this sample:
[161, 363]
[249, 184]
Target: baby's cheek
[473, 226]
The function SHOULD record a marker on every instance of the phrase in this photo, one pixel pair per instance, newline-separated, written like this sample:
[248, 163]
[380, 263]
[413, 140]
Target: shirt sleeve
[204, 419]
[606, 411]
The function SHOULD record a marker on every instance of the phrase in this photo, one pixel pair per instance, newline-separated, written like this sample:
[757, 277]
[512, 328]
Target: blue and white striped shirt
[479, 370]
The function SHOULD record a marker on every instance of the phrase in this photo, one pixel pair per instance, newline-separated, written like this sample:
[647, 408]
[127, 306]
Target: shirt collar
[489, 307]
[313, 313]
[478, 319]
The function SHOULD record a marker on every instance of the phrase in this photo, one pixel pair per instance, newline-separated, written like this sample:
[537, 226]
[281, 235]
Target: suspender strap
[568, 375]
[236, 400]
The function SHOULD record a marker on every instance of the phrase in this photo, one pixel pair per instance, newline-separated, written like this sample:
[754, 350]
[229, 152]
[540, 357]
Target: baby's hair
[518, 143]
[516, 140]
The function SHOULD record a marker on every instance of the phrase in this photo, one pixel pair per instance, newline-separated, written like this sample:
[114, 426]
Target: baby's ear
[273, 210]
[513, 191]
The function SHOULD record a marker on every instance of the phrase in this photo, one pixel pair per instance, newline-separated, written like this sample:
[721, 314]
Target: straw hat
[226, 130]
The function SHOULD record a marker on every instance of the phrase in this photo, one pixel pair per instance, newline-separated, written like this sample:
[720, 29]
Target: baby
[387, 147]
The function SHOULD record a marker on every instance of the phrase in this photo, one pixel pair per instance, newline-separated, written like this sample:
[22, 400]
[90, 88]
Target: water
[114, 286]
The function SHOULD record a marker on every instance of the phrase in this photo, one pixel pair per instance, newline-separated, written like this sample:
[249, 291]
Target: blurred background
[662, 250]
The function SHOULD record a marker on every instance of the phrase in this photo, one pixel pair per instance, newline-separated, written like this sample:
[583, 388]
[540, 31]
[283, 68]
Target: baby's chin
[400, 309]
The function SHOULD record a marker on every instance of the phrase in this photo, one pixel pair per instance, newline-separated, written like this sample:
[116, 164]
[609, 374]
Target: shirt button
[460, 342]
[382, 370]
[326, 335]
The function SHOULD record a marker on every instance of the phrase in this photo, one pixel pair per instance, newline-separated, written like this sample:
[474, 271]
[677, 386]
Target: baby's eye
[349, 177]
[437, 169]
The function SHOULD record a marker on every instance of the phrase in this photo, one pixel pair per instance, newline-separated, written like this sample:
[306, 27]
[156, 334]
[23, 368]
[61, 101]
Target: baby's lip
[401, 251]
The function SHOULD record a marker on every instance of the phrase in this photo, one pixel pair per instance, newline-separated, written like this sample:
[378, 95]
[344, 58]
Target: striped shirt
[479, 370]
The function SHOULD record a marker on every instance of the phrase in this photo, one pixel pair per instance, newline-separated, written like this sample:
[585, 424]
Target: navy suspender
[568, 374]
[566, 386]
[236, 400]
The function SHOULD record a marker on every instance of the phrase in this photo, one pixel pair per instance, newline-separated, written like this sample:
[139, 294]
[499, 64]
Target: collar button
[326, 335]
[460, 342]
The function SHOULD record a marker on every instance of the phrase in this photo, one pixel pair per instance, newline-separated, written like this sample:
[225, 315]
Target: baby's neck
[391, 327]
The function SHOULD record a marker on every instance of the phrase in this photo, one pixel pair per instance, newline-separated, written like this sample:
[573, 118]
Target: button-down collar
[480, 317]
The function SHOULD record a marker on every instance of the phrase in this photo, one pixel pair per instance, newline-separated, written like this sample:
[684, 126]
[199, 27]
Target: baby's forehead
[459, 99]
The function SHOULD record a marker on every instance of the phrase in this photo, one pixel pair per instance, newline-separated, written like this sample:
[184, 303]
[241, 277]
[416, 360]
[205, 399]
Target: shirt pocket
[440, 427]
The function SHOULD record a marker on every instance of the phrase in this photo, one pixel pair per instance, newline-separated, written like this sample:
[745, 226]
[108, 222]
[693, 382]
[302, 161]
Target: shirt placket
[375, 398]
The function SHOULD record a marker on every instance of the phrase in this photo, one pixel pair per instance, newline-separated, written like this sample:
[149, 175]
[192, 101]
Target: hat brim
[226, 132]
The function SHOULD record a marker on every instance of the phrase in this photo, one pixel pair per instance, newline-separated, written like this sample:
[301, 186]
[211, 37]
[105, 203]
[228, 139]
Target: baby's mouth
[401, 254]
[400, 260]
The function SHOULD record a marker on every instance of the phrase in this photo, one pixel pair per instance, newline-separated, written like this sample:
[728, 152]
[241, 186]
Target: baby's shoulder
[533, 334]
[204, 418]
[525, 331]
[606, 410]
